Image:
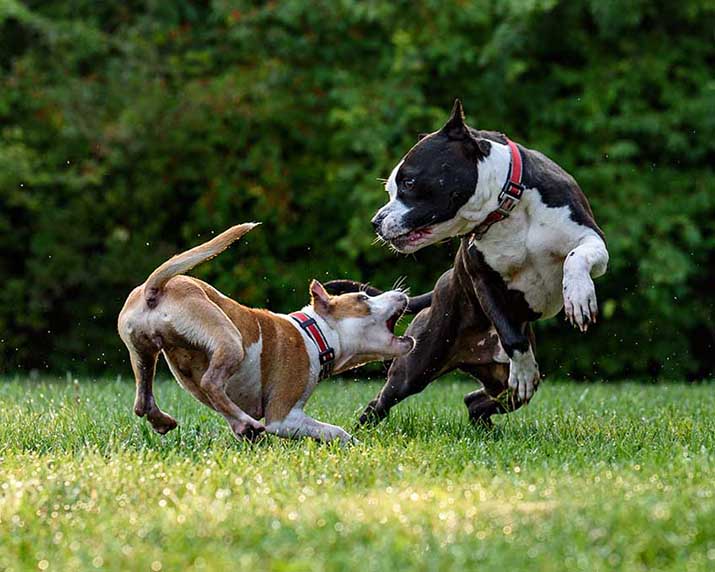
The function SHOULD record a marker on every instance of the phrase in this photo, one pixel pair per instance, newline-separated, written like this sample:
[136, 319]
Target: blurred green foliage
[130, 130]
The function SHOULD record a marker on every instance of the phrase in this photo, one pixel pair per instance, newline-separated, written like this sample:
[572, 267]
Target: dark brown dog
[530, 247]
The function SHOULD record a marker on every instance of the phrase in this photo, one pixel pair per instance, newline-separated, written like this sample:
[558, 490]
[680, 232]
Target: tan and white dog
[249, 364]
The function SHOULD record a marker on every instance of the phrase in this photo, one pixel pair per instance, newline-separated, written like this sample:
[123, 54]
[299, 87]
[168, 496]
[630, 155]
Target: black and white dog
[529, 247]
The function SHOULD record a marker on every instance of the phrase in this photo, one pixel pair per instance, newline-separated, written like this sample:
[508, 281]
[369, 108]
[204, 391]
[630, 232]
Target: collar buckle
[510, 195]
[326, 356]
[512, 189]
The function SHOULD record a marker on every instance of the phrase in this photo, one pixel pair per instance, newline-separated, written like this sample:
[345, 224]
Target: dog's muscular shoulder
[529, 248]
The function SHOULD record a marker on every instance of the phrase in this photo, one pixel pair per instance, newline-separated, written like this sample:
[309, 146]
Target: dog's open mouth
[399, 343]
[412, 237]
[392, 321]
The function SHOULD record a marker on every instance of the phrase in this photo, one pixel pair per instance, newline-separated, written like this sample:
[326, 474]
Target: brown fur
[348, 306]
[206, 339]
[285, 366]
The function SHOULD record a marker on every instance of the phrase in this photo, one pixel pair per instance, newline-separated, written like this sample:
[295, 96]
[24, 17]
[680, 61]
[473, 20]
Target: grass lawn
[588, 477]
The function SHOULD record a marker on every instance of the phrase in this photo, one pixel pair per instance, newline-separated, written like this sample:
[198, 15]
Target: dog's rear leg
[144, 367]
[494, 397]
[224, 363]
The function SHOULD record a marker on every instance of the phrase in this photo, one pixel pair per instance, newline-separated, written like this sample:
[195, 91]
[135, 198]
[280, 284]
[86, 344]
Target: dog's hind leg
[144, 350]
[201, 323]
[210, 328]
[144, 367]
[224, 363]
[494, 397]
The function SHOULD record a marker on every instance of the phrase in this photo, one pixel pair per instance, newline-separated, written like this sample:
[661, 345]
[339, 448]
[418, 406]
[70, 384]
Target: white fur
[492, 174]
[523, 374]
[353, 336]
[245, 388]
[391, 184]
[539, 250]
[529, 249]
[588, 260]
[350, 339]
[298, 424]
[312, 351]
[394, 212]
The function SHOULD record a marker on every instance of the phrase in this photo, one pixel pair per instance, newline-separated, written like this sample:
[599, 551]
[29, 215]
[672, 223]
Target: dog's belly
[245, 388]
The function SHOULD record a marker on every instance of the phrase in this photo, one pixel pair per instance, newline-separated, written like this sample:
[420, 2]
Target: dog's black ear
[456, 128]
[483, 146]
[319, 297]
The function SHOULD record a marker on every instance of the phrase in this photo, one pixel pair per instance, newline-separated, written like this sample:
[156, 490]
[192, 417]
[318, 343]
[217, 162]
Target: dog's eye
[363, 297]
[408, 184]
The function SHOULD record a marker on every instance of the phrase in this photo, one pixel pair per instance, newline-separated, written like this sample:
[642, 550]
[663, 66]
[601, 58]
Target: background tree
[131, 130]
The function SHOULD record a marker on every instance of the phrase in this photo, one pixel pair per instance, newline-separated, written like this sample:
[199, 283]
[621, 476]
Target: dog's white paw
[523, 375]
[580, 303]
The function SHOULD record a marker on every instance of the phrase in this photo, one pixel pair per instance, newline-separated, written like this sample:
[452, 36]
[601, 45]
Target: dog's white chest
[528, 251]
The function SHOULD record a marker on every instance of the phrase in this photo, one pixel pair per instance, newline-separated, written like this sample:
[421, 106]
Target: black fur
[436, 178]
[443, 168]
[556, 187]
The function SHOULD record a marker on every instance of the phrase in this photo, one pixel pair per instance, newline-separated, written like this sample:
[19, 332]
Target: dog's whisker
[400, 286]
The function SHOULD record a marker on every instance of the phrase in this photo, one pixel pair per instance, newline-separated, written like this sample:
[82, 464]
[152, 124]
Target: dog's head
[365, 324]
[430, 187]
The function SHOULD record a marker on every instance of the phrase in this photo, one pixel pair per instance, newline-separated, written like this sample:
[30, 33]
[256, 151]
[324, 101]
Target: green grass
[588, 477]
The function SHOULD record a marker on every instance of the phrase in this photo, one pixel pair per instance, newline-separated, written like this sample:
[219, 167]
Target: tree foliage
[130, 130]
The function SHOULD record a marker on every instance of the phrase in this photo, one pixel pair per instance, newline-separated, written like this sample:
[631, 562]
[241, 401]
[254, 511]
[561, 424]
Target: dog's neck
[493, 172]
[342, 355]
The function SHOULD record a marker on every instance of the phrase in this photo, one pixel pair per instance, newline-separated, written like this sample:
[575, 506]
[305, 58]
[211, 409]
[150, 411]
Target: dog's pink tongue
[419, 233]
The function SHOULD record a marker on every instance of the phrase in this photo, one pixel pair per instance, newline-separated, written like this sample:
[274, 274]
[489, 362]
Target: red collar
[509, 196]
[326, 354]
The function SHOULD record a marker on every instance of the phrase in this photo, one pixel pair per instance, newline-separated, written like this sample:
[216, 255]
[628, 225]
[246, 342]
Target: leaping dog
[529, 247]
[249, 364]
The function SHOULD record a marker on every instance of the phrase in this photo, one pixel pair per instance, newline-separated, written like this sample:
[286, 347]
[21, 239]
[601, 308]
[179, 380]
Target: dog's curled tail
[185, 261]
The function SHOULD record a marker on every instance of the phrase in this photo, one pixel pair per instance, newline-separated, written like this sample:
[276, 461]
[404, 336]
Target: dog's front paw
[523, 375]
[580, 303]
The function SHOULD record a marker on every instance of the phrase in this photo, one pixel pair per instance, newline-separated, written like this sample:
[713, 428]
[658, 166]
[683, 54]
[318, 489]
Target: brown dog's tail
[185, 261]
